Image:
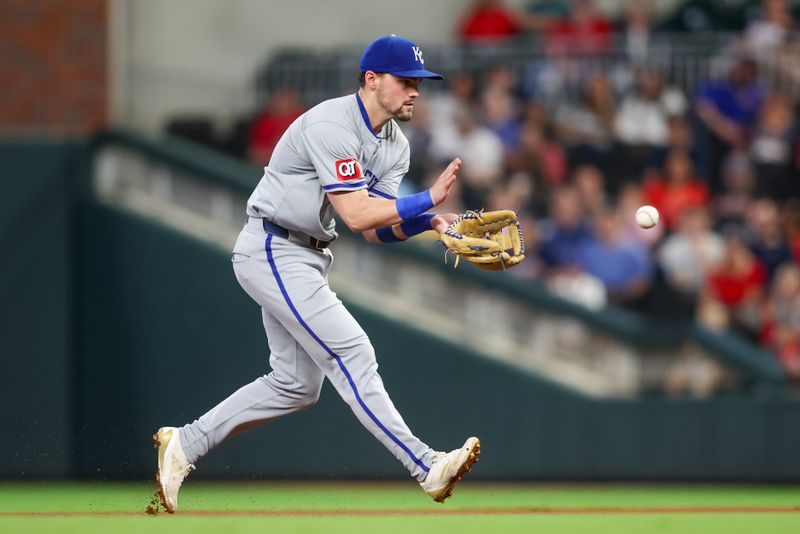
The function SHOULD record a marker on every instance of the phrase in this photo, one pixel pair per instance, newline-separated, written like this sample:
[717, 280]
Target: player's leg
[330, 335]
[293, 384]
[293, 281]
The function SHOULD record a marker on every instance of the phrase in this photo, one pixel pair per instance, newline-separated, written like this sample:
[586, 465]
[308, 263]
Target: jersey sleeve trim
[345, 186]
[376, 193]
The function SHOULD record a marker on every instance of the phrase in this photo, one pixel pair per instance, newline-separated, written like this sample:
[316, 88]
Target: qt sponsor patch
[348, 169]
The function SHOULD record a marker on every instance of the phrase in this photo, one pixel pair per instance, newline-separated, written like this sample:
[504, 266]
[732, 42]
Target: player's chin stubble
[403, 115]
[399, 113]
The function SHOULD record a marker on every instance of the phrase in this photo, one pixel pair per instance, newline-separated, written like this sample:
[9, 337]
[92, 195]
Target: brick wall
[53, 66]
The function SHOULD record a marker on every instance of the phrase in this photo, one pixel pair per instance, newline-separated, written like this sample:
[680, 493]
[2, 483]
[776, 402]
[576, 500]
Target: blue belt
[280, 231]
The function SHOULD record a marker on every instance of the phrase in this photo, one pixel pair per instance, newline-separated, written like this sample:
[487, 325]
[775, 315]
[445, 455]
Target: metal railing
[542, 68]
[685, 60]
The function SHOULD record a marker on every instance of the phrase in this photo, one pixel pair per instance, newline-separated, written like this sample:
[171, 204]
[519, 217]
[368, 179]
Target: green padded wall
[36, 385]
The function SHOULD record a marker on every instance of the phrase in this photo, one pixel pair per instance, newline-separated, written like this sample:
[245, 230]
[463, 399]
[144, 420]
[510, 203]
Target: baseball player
[345, 156]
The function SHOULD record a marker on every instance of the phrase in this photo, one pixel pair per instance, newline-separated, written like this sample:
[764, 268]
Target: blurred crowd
[720, 161]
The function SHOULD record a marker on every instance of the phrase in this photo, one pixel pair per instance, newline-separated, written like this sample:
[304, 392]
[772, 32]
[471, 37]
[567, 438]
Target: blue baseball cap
[397, 56]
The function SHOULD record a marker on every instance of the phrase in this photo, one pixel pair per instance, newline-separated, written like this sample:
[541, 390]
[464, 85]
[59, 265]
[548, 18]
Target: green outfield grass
[401, 507]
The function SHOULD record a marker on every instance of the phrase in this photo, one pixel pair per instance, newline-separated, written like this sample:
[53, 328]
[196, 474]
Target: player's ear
[371, 79]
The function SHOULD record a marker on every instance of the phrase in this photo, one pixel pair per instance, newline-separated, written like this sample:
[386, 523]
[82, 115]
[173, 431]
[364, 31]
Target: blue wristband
[386, 235]
[417, 225]
[413, 205]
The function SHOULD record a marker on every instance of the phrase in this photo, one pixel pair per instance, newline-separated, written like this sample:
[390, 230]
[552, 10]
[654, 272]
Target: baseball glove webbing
[489, 240]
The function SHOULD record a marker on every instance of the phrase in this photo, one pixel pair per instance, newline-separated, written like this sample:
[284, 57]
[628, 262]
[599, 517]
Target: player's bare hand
[442, 221]
[444, 183]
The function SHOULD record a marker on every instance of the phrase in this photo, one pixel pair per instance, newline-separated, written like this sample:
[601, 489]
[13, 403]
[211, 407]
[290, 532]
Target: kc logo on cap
[348, 169]
[418, 54]
[391, 54]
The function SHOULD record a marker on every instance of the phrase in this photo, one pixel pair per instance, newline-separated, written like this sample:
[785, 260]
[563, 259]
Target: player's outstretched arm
[397, 232]
[360, 212]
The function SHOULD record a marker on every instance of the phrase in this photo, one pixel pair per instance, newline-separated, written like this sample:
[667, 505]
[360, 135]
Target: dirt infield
[462, 512]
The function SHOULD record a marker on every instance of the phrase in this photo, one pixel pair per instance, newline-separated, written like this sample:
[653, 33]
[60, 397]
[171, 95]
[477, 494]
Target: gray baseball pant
[311, 336]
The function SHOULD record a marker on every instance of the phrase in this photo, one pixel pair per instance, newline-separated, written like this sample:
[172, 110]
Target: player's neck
[377, 115]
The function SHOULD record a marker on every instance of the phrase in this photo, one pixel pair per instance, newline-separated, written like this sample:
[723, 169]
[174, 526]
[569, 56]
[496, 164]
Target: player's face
[397, 95]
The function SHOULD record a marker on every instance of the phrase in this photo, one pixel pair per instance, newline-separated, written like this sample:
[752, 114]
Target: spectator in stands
[489, 22]
[765, 236]
[446, 106]
[564, 232]
[562, 237]
[790, 220]
[623, 266]
[584, 33]
[788, 66]
[676, 190]
[643, 116]
[268, 126]
[481, 153]
[734, 290]
[731, 205]
[642, 123]
[781, 325]
[774, 150]
[637, 33]
[590, 185]
[586, 127]
[537, 113]
[773, 39]
[680, 136]
[686, 257]
[766, 35]
[500, 77]
[516, 155]
[727, 109]
[500, 105]
[500, 115]
[542, 161]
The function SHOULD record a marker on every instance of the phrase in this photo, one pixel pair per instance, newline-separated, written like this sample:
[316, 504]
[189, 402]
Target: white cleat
[448, 468]
[173, 466]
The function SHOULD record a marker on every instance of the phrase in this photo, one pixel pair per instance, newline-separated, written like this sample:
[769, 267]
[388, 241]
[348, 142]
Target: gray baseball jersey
[329, 148]
[311, 334]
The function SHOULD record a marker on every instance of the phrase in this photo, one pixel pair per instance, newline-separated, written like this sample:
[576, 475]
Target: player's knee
[364, 366]
[307, 402]
[362, 351]
[297, 396]
[308, 397]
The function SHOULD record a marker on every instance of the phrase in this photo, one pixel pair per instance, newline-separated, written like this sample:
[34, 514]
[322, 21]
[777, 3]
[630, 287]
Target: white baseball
[647, 216]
